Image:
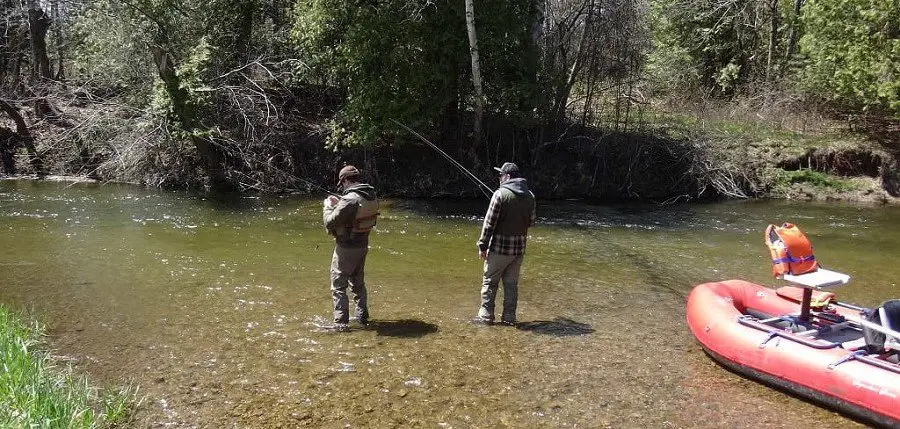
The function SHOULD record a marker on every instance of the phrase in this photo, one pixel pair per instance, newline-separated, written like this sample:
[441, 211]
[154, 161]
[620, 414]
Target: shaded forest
[275, 95]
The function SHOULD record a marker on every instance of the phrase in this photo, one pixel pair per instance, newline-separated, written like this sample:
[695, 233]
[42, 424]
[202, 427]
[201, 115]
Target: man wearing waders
[349, 219]
[502, 243]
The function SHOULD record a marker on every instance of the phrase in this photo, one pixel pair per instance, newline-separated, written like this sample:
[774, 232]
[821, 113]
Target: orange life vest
[792, 253]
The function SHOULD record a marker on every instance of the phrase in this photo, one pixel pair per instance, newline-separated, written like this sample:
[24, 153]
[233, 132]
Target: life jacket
[792, 253]
[366, 216]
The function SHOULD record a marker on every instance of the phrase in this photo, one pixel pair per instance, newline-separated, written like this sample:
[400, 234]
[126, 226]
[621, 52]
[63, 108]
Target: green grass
[37, 393]
[785, 179]
[719, 126]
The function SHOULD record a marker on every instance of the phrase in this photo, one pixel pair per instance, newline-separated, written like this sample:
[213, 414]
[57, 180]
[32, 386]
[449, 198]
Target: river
[214, 308]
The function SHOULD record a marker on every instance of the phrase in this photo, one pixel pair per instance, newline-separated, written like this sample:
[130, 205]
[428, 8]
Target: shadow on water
[558, 327]
[406, 328]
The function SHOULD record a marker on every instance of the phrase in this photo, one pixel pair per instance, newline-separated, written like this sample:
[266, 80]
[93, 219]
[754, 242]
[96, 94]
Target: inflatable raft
[803, 341]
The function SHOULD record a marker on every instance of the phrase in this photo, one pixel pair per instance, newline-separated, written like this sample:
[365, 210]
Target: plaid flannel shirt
[496, 243]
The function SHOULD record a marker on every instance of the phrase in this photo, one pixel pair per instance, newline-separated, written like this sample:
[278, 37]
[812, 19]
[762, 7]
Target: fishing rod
[319, 187]
[482, 187]
[308, 182]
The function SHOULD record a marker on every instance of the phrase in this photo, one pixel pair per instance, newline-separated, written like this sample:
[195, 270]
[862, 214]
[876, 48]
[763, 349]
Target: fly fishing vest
[792, 253]
[366, 216]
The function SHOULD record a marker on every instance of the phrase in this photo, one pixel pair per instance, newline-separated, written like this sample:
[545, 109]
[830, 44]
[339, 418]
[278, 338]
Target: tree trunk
[476, 70]
[539, 16]
[773, 39]
[8, 140]
[38, 23]
[792, 32]
[562, 94]
[57, 40]
[245, 30]
[24, 136]
[5, 48]
[185, 114]
[277, 14]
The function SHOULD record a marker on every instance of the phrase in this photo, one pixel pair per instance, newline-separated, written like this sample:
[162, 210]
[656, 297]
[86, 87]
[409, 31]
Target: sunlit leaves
[853, 48]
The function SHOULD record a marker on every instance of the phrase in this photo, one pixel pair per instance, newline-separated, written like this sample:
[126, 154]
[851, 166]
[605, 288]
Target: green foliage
[36, 393]
[670, 67]
[728, 77]
[409, 61]
[377, 52]
[114, 57]
[853, 51]
[193, 92]
[723, 39]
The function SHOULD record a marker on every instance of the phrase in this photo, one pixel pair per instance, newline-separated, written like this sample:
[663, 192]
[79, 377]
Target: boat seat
[814, 281]
[818, 279]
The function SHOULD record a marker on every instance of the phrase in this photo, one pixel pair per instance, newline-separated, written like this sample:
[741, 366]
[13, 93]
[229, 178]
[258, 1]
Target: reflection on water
[214, 307]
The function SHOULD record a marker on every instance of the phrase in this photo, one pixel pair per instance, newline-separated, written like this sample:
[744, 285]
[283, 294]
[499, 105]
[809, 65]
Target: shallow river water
[215, 308]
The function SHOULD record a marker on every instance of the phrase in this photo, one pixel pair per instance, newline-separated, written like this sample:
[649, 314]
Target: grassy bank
[36, 392]
[783, 150]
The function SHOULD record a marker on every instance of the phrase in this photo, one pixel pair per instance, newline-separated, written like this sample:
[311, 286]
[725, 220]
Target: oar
[874, 326]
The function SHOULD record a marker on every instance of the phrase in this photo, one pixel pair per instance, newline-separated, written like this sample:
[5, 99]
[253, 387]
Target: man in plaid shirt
[502, 243]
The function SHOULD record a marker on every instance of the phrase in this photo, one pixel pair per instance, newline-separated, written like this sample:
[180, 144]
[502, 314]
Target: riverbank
[670, 154]
[36, 390]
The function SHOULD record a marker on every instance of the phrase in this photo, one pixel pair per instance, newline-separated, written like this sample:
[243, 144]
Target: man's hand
[482, 254]
[331, 201]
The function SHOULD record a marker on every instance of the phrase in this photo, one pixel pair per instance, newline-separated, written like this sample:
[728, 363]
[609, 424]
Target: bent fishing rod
[482, 187]
[308, 182]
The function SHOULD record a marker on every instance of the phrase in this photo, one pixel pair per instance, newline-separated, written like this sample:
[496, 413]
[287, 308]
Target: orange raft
[750, 329]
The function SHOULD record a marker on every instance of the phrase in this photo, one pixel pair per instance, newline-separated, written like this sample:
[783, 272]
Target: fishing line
[482, 187]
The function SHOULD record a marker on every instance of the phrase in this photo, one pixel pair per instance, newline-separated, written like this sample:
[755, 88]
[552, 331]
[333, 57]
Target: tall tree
[38, 24]
[58, 39]
[793, 31]
[774, 22]
[476, 69]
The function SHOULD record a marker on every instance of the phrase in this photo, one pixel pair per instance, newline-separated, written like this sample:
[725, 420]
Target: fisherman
[349, 219]
[502, 243]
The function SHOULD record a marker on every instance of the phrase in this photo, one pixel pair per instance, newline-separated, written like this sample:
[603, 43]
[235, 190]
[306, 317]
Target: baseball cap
[507, 168]
[347, 171]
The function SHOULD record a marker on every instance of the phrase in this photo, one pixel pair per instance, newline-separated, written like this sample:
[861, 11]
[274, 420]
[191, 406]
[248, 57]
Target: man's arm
[340, 215]
[490, 222]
